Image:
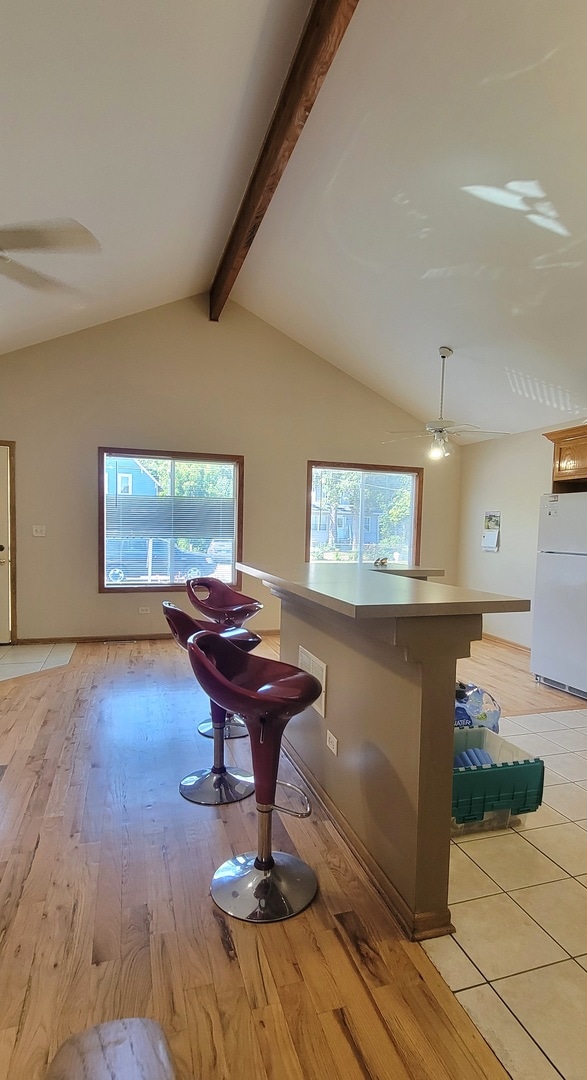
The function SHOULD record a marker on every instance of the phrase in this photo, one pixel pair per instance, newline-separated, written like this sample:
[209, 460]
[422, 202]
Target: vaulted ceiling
[435, 195]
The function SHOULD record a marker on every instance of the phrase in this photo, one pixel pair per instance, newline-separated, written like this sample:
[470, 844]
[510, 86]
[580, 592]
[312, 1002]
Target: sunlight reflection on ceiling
[516, 195]
[544, 393]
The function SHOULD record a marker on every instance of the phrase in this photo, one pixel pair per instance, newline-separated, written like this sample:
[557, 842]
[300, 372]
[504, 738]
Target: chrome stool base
[207, 788]
[244, 892]
[235, 728]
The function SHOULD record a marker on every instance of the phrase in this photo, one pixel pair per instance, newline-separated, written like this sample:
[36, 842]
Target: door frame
[12, 535]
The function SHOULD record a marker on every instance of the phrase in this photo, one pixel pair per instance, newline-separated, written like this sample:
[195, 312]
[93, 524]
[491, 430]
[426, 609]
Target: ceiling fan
[61, 236]
[440, 429]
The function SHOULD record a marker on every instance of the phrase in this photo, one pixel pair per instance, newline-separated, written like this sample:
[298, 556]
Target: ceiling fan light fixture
[440, 446]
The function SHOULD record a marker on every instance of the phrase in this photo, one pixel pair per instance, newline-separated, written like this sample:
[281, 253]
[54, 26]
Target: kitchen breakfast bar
[390, 642]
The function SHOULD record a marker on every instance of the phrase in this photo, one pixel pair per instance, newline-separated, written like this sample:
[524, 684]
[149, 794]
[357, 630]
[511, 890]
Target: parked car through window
[153, 558]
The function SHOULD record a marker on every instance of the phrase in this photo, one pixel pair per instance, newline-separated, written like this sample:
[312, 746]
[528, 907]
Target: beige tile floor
[25, 659]
[518, 896]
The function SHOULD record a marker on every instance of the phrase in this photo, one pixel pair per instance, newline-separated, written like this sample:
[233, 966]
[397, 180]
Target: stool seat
[211, 787]
[219, 602]
[265, 886]
[184, 626]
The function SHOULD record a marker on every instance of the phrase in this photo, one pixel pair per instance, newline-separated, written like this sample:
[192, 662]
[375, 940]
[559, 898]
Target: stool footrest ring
[294, 813]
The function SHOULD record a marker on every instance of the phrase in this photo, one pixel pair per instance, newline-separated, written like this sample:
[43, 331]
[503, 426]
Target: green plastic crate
[511, 783]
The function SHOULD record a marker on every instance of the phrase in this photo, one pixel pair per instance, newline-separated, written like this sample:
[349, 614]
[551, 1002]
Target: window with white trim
[167, 517]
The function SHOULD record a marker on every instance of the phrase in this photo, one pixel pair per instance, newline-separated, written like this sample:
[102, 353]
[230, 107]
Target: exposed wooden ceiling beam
[323, 33]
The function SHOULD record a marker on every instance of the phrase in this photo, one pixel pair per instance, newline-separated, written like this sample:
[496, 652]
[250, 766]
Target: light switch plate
[39, 530]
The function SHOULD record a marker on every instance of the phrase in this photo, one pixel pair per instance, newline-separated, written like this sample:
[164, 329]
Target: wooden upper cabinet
[569, 468]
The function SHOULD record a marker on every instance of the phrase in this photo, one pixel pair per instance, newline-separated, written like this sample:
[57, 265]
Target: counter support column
[390, 703]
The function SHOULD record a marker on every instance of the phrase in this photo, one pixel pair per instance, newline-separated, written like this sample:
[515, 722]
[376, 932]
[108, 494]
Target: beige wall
[509, 475]
[168, 379]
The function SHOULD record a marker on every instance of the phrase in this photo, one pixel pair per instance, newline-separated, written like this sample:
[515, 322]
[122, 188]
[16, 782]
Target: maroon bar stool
[266, 885]
[218, 602]
[234, 728]
[227, 608]
[211, 787]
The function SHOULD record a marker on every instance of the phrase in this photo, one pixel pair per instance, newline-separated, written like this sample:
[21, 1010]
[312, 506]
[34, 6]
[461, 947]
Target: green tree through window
[360, 513]
[199, 479]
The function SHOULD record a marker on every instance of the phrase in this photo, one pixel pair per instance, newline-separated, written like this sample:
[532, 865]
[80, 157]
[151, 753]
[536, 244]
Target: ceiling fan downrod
[444, 351]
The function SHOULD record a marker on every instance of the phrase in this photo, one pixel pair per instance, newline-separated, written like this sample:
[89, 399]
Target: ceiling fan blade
[63, 234]
[480, 431]
[31, 278]
[399, 436]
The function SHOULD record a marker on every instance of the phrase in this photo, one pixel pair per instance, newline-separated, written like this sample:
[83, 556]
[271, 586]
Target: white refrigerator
[559, 626]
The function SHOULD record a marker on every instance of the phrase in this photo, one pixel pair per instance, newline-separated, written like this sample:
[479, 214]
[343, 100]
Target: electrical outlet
[39, 530]
[332, 742]
[144, 611]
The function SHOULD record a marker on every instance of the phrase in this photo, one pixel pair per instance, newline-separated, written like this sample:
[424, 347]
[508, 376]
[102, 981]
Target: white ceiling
[143, 121]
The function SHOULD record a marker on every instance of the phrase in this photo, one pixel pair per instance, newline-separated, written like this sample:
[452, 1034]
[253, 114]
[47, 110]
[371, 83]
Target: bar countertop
[367, 592]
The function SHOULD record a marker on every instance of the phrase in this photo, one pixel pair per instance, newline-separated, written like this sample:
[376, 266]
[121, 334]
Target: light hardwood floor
[504, 670]
[104, 905]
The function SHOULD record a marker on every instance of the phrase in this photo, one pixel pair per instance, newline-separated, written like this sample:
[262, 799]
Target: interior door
[5, 546]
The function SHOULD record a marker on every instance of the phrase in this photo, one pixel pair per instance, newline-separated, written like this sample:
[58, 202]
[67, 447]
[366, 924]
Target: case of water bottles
[475, 707]
[487, 792]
